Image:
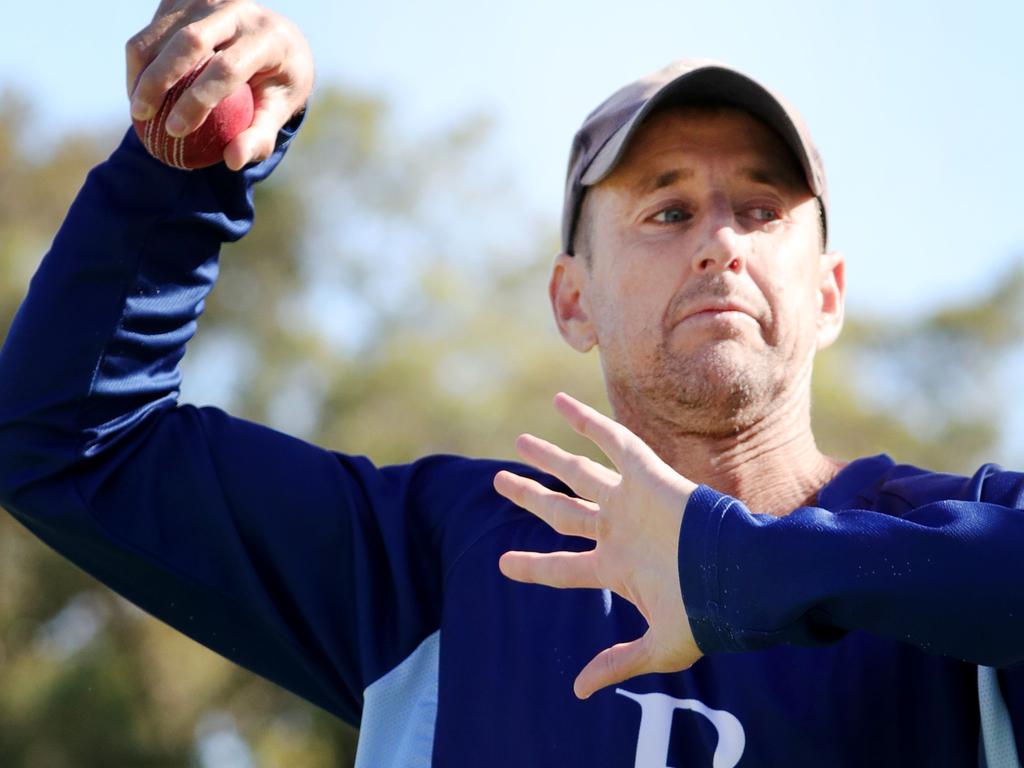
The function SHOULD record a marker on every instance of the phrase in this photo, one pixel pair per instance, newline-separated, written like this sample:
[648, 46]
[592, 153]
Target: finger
[257, 142]
[228, 70]
[568, 516]
[137, 55]
[562, 570]
[143, 46]
[615, 440]
[586, 477]
[186, 49]
[613, 665]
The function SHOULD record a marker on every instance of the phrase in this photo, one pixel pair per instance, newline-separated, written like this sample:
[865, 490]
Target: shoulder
[880, 483]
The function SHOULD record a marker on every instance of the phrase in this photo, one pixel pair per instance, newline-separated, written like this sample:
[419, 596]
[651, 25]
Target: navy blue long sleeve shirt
[844, 634]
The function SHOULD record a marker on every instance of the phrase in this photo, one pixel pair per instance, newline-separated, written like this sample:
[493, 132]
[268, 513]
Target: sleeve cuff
[699, 569]
[252, 173]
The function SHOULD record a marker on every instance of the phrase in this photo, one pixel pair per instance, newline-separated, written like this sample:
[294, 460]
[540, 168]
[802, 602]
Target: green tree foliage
[933, 391]
[390, 301]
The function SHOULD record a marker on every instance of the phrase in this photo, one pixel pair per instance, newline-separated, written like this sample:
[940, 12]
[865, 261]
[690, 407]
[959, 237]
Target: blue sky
[916, 107]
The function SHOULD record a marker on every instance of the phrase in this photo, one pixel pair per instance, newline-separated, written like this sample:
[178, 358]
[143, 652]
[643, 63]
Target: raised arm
[310, 568]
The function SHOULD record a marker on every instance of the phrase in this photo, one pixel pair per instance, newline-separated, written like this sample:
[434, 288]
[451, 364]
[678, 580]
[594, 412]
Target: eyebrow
[665, 179]
[781, 177]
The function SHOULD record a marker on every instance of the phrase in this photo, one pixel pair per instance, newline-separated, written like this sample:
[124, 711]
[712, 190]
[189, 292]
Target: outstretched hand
[634, 516]
[247, 43]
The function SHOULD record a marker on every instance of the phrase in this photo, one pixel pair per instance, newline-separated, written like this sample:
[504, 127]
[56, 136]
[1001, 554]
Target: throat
[773, 483]
[772, 465]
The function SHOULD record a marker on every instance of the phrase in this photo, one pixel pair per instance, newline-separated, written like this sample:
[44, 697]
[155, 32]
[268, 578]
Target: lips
[714, 308]
[714, 299]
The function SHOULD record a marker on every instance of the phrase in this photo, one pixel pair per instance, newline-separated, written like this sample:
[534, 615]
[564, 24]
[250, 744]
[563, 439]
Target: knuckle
[621, 439]
[225, 68]
[559, 518]
[264, 19]
[610, 662]
[635, 444]
[578, 465]
[137, 47]
[190, 38]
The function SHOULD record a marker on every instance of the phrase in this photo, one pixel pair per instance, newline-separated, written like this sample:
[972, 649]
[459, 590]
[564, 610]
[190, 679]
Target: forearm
[95, 345]
[944, 576]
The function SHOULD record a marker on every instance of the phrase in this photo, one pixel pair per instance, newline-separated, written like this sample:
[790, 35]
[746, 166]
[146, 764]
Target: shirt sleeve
[314, 569]
[944, 574]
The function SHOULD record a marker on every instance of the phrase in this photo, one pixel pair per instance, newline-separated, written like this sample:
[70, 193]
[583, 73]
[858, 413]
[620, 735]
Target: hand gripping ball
[205, 145]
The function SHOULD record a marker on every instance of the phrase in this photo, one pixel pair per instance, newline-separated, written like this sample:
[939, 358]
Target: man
[841, 609]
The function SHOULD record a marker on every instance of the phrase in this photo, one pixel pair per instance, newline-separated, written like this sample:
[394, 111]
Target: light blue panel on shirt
[998, 745]
[399, 712]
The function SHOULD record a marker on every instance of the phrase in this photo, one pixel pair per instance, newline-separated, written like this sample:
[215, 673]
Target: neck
[771, 463]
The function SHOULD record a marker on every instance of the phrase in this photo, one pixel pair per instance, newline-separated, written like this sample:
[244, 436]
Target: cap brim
[718, 84]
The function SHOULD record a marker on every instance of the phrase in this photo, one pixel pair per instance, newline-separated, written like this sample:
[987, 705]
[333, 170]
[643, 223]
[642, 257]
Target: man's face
[704, 289]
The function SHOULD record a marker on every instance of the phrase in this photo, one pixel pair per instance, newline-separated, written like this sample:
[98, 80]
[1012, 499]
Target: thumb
[613, 665]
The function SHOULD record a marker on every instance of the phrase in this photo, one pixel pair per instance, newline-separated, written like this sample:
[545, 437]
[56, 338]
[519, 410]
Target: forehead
[670, 137]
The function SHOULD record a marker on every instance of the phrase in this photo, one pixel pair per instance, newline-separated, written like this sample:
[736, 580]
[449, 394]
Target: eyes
[764, 213]
[671, 216]
[678, 214]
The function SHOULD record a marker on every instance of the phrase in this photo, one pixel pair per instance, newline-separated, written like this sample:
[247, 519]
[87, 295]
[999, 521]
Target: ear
[831, 297]
[569, 302]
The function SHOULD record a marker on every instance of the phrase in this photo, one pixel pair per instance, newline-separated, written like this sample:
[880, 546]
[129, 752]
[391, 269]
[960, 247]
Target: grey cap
[601, 139]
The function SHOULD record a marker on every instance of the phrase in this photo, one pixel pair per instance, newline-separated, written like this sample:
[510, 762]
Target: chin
[717, 390]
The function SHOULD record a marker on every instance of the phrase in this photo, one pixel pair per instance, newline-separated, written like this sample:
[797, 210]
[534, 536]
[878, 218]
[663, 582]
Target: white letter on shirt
[656, 729]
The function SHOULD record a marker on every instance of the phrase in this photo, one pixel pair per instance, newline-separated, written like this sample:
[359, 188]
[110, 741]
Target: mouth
[717, 311]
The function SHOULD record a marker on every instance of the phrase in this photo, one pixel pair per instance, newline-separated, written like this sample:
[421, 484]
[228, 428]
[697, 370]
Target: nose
[721, 246]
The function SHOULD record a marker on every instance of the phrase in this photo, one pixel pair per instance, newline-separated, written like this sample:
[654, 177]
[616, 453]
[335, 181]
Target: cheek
[796, 310]
[787, 280]
[628, 313]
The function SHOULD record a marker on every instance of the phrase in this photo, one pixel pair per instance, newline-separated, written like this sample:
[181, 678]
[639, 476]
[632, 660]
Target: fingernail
[175, 125]
[141, 110]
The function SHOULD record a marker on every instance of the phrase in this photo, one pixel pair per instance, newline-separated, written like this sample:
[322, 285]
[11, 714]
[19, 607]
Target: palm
[633, 516]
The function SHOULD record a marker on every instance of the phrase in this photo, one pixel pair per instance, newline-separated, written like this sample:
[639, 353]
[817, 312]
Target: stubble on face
[716, 388]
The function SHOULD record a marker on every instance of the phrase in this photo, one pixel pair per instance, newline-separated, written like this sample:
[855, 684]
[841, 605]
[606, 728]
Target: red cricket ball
[205, 145]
